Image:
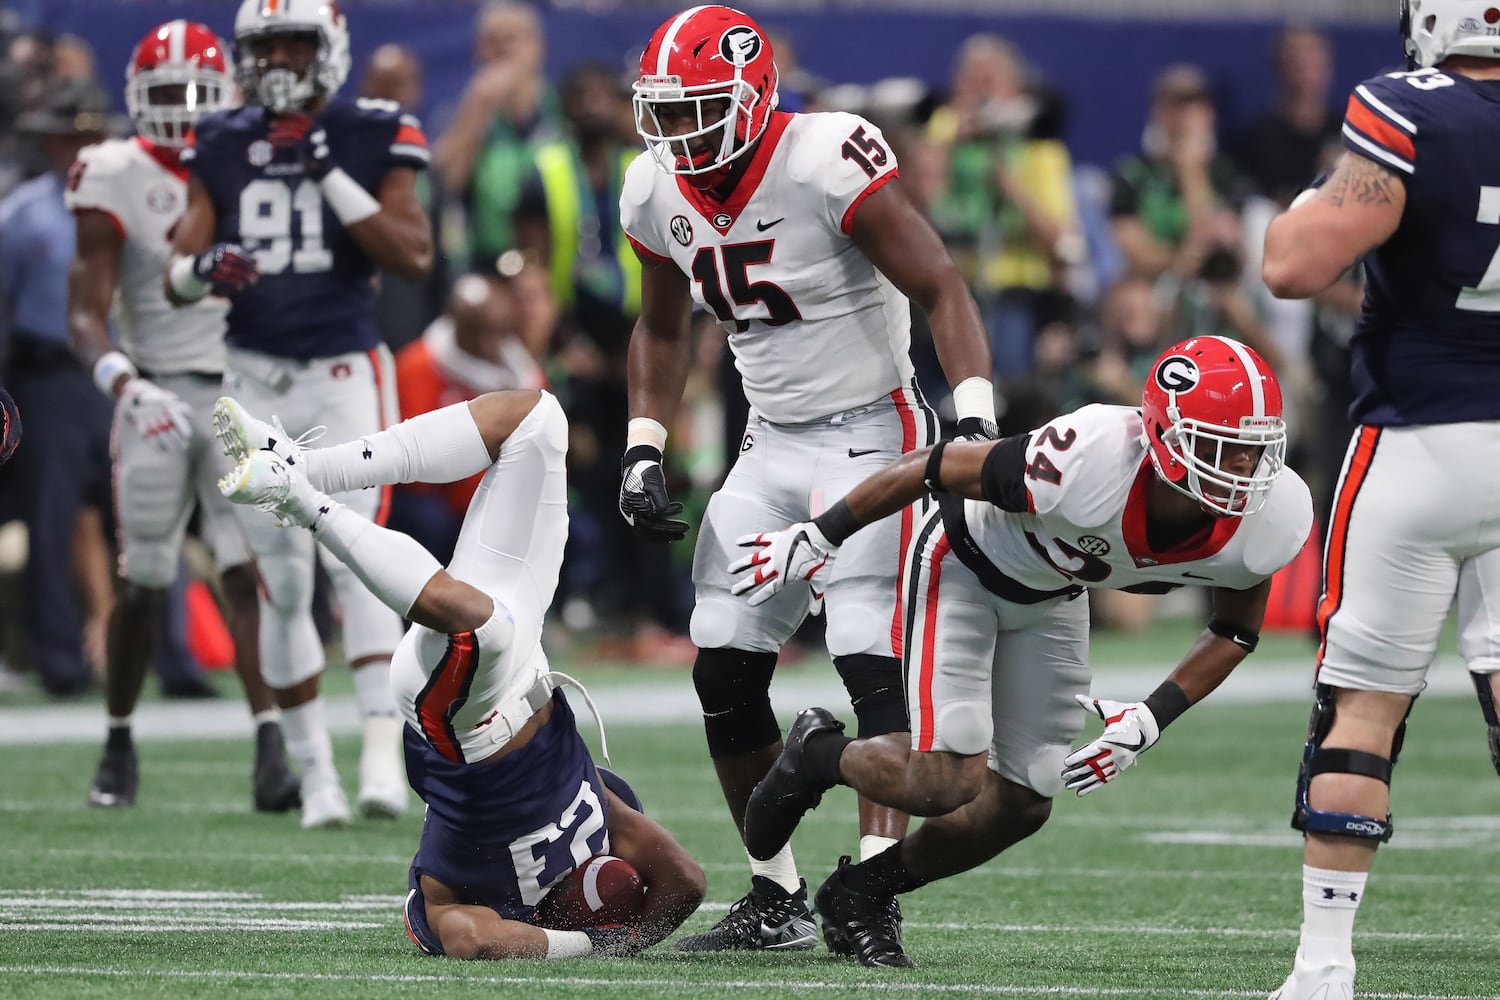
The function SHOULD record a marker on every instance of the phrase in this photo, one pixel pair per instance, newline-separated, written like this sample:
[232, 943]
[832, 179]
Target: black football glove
[227, 267]
[977, 429]
[643, 497]
[301, 132]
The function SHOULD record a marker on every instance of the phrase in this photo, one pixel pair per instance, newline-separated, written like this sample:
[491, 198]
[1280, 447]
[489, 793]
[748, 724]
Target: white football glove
[796, 553]
[158, 415]
[1129, 731]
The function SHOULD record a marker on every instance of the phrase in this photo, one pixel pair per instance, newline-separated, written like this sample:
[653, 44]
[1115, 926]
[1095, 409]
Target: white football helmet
[1437, 29]
[278, 88]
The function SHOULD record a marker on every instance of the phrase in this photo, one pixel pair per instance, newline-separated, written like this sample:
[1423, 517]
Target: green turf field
[1182, 880]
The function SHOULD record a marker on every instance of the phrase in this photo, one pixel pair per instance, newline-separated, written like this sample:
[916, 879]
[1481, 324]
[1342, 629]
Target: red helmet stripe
[1257, 386]
[670, 38]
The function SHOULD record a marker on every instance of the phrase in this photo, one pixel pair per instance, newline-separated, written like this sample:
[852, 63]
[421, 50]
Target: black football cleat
[277, 789]
[767, 919]
[116, 778]
[864, 926]
[787, 791]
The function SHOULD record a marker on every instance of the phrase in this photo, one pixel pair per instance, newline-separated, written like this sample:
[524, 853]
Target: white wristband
[644, 430]
[974, 397]
[350, 202]
[109, 368]
[186, 285]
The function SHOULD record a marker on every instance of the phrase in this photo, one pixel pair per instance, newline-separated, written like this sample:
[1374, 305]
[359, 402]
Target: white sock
[779, 868]
[269, 715]
[871, 845]
[119, 722]
[372, 688]
[443, 446]
[393, 566]
[568, 944]
[306, 731]
[1330, 900]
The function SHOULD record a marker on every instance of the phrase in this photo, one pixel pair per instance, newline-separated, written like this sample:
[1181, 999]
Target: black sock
[118, 738]
[821, 753]
[883, 875]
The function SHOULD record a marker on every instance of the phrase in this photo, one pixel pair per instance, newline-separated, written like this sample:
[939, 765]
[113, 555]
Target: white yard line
[666, 700]
[696, 986]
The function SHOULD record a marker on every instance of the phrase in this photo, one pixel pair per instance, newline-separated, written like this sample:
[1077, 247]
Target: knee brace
[621, 788]
[1317, 759]
[875, 691]
[734, 688]
[1491, 715]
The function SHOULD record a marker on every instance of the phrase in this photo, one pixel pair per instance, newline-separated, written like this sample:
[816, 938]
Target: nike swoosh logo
[858, 452]
[1139, 744]
[761, 227]
[1196, 576]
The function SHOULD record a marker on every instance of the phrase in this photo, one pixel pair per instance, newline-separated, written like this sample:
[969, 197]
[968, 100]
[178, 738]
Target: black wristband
[837, 523]
[640, 453]
[1166, 703]
[932, 475]
[1241, 638]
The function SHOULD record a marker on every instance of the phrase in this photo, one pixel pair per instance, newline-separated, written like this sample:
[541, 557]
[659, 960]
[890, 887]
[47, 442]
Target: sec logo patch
[259, 153]
[161, 198]
[682, 230]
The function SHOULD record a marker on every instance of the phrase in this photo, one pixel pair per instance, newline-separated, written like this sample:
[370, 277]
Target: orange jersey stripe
[925, 721]
[1377, 128]
[1338, 531]
[444, 694]
[410, 135]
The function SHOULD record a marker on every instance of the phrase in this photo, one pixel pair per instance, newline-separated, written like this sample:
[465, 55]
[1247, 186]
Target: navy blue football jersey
[1427, 350]
[314, 298]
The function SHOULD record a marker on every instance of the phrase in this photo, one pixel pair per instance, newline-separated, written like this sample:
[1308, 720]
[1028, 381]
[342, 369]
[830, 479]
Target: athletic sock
[443, 446]
[871, 845]
[117, 737]
[883, 875]
[372, 689]
[269, 716]
[1330, 900]
[306, 730]
[780, 868]
[822, 751]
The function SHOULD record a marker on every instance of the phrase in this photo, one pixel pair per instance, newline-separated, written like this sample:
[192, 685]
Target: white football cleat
[1334, 982]
[382, 772]
[260, 480]
[323, 801]
[240, 433]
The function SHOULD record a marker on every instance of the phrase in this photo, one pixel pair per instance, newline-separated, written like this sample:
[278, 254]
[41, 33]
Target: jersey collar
[1203, 545]
[722, 215]
[167, 158]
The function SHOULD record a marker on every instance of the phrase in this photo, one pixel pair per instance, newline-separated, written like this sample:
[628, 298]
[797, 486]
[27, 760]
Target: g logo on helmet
[1177, 374]
[740, 45]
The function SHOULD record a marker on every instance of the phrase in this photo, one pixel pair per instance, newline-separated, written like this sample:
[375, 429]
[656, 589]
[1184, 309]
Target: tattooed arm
[1314, 242]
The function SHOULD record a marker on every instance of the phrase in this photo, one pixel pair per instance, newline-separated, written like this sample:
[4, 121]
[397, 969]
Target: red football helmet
[1203, 394]
[701, 59]
[178, 73]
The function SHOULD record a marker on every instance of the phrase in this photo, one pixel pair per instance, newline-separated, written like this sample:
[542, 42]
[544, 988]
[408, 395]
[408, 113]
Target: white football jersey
[1087, 475]
[146, 198]
[814, 326]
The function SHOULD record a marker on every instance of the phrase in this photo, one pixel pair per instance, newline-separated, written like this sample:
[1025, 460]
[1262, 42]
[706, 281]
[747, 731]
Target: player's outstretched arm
[398, 236]
[1132, 728]
[895, 237]
[658, 360]
[955, 467]
[1329, 228]
[675, 883]
[91, 288]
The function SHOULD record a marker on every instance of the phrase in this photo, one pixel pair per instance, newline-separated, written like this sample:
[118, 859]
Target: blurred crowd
[1083, 272]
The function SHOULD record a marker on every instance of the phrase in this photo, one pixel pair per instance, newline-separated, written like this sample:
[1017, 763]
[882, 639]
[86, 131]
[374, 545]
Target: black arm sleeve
[1003, 478]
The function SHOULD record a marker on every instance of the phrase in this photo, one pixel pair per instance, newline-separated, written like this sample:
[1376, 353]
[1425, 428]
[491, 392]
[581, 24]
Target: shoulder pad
[1078, 462]
[1281, 527]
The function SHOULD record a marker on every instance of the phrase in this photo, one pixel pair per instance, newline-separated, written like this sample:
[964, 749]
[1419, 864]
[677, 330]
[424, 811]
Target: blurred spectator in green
[1010, 185]
[506, 111]
[1166, 201]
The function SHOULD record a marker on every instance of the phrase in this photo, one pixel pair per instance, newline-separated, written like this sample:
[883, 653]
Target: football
[602, 890]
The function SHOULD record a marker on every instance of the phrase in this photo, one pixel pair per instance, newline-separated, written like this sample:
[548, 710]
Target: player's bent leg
[1343, 807]
[675, 883]
[874, 683]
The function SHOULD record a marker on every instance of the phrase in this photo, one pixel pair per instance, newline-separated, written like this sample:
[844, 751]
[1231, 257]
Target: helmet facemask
[167, 101]
[673, 152]
[281, 88]
[1197, 451]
